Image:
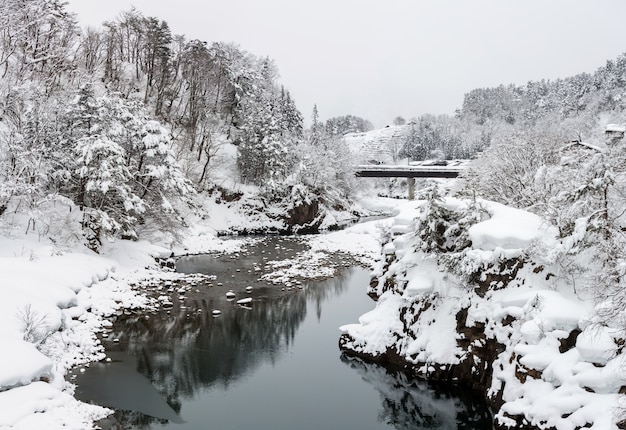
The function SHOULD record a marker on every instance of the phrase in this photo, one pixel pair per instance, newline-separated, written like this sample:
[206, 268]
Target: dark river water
[271, 364]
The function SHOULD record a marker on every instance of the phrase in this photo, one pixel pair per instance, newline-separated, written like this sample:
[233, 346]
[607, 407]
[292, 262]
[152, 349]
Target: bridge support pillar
[411, 182]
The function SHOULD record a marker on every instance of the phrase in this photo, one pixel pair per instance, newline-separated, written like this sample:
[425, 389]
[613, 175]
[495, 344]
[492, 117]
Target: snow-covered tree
[36, 42]
[433, 137]
[341, 125]
[510, 169]
[265, 152]
[270, 127]
[123, 169]
[399, 121]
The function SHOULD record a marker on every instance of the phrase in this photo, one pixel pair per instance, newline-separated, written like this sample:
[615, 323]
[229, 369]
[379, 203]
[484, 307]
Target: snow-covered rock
[484, 313]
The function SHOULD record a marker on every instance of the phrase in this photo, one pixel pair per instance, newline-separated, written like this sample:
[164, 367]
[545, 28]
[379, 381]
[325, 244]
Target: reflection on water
[121, 386]
[416, 405]
[273, 365]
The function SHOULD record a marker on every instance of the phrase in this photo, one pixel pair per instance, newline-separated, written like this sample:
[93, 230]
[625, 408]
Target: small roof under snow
[618, 128]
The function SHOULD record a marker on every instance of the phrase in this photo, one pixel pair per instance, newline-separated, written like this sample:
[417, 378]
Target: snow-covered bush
[443, 229]
[34, 325]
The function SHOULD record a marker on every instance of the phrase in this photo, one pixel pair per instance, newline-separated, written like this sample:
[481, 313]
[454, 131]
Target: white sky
[378, 59]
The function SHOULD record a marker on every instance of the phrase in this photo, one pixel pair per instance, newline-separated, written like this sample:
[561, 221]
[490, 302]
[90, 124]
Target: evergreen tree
[122, 166]
[316, 128]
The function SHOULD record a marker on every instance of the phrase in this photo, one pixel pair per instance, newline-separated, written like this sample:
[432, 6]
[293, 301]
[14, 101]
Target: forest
[123, 124]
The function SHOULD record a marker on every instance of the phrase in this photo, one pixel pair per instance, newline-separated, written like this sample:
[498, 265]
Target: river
[271, 364]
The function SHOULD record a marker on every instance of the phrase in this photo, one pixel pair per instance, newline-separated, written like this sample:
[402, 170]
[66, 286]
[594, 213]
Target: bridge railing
[403, 171]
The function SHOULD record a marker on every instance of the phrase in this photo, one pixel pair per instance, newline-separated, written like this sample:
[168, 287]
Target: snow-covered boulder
[21, 363]
[508, 228]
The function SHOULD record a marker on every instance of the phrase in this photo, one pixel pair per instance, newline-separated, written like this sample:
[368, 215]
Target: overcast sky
[382, 58]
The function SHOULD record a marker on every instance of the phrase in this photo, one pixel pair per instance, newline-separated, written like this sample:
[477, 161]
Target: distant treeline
[577, 108]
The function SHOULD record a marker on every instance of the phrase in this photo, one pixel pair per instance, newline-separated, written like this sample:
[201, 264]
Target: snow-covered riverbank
[521, 334]
[56, 301]
[473, 295]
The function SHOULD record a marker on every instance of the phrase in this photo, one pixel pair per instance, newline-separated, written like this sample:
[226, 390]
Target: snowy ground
[55, 301]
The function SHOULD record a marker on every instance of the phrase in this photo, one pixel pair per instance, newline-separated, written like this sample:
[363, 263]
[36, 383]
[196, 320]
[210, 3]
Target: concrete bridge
[422, 170]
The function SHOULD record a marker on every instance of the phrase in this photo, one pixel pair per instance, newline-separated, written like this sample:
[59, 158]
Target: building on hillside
[614, 132]
[572, 151]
